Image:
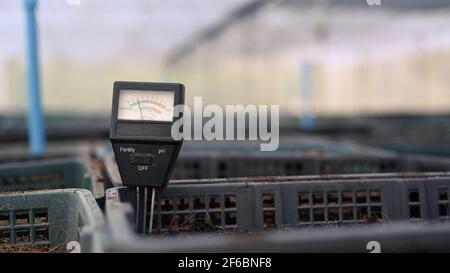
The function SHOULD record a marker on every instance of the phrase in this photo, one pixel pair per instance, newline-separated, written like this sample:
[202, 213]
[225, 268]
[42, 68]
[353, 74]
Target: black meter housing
[145, 151]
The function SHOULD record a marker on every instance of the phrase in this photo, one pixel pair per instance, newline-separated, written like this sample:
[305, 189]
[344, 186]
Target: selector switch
[141, 159]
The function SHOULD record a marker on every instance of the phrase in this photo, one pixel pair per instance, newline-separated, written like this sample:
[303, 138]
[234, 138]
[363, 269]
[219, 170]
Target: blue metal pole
[306, 120]
[36, 131]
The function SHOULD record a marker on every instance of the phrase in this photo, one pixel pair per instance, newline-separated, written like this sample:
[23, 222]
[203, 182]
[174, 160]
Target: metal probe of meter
[141, 122]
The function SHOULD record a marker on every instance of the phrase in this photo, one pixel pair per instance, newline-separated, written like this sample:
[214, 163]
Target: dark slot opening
[303, 215]
[23, 236]
[347, 213]
[375, 196]
[332, 198]
[376, 212]
[303, 198]
[443, 194]
[182, 203]
[21, 179]
[268, 201]
[443, 210]
[333, 214]
[4, 219]
[269, 217]
[414, 211]
[361, 197]
[222, 166]
[230, 218]
[5, 236]
[166, 220]
[230, 201]
[166, 204]
[362, 213]
[21, 217]
[196, 165]
[42, 234]
[214, 202]
[199, 203]
[288, 167]
[317, 198]
[216, 218]
[319, 214]
[8, 181]
[414, 196]
[40, 216]
[347, 197]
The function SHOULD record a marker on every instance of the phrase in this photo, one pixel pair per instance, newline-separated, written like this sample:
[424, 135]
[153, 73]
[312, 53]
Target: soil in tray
[196, 225]
[28, 248]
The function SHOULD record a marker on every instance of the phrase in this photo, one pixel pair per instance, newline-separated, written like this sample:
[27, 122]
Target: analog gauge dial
[146, 105]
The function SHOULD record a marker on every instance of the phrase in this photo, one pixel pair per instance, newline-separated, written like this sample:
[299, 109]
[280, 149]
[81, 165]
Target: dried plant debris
[197, 222]
[201, 223]
[29, 249]
[26, 248]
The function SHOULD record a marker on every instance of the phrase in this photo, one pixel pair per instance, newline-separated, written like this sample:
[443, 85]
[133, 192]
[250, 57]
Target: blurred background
[364, 59]
[325, 59]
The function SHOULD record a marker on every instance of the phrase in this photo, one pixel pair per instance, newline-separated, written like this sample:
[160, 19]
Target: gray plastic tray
[49, 174]
[216, 165]
[50, 218]
[298, 203]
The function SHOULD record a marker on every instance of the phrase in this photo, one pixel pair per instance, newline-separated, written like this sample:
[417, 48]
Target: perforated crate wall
[198, 205]
[300, 201]
[23, 157]
[47, 218]
[48, 174]
[216, 165]
[28, 226]
[339, 203]
[225, 166]
[194, 167]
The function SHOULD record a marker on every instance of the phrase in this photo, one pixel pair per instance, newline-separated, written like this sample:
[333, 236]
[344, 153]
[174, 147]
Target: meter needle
[140, 110]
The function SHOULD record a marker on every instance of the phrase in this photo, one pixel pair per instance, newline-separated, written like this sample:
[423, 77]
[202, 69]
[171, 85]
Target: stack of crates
[49, 174]
[49, 204]
[230, 165]
[295, 156]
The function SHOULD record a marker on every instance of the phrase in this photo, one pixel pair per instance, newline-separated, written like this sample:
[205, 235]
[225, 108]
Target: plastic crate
[297, 143]
[22, 158]
[419, 134]
[49, 174]
[226, 165]
[294, 202]
[50, 219]
[391, 238]
[13, 128]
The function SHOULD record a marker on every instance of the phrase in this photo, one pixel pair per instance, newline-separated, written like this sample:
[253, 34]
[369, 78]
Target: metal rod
[36, 131]
[152, 207]
[144, 208]
[137, 208]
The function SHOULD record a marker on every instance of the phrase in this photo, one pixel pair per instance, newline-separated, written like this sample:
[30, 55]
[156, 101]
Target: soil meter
[141, 122]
